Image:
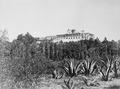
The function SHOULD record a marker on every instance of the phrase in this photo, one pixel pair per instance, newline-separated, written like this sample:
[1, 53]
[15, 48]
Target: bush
[27, 62]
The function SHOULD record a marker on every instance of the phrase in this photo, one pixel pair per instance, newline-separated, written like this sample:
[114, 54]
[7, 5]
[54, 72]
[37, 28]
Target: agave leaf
[88, 63]
[67, 62]
[108, 70]
[83, 79]
[77, 66]
[71, 84]
[61, 76]
[93, 63]
[74, 72]
[71, 66]
[102, 73]
[73, 87]
[66, 70]
[63, 87]
[104, 64]
[85, 64]
[86, 67]
[66, 83]
[108, 59]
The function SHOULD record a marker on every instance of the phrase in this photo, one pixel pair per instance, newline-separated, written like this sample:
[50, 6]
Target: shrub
[34, 69]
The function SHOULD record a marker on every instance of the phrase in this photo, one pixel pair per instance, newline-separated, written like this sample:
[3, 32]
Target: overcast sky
[51, 17]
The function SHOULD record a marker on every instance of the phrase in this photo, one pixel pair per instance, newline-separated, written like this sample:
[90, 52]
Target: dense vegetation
[24, 59]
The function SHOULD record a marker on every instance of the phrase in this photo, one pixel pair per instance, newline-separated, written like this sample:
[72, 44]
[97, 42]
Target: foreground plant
[88, 66]
[68, 84]
[84, 80]
[105, 69]
[54, 70]
[71, 69]
[55, 74]
[116, 65]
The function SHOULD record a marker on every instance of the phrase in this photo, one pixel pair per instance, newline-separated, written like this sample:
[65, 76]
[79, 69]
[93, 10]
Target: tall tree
[4, 56]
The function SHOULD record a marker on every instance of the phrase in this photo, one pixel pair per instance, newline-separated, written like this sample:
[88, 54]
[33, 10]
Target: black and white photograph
[59, 44]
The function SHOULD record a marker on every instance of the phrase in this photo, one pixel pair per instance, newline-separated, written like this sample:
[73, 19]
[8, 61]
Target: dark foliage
[29, 59]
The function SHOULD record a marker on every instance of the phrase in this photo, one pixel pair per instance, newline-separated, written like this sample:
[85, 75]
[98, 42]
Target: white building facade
[71, 35]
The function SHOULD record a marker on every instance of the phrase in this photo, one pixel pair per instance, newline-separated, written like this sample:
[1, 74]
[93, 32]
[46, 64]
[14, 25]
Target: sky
[52, 17]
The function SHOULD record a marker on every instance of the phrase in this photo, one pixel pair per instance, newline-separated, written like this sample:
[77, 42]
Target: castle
[71, 35]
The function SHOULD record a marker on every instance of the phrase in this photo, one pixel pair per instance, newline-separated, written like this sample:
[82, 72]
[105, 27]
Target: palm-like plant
[88, 66]
[105, 69]
[71, 69]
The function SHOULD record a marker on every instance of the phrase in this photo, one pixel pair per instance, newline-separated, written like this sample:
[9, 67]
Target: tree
[21, 53]
[3, 35]
[28, 61]
[4, 56]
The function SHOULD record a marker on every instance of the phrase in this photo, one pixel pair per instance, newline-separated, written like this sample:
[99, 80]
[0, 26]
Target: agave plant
[116, 65]
[71, 69]
[68, 84]
[55, 74]
[56, 70]
[105, 69]
[115, 69]
[83, 79]
[88, 66]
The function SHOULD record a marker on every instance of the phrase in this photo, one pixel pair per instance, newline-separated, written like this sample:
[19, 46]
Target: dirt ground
[94, 82]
